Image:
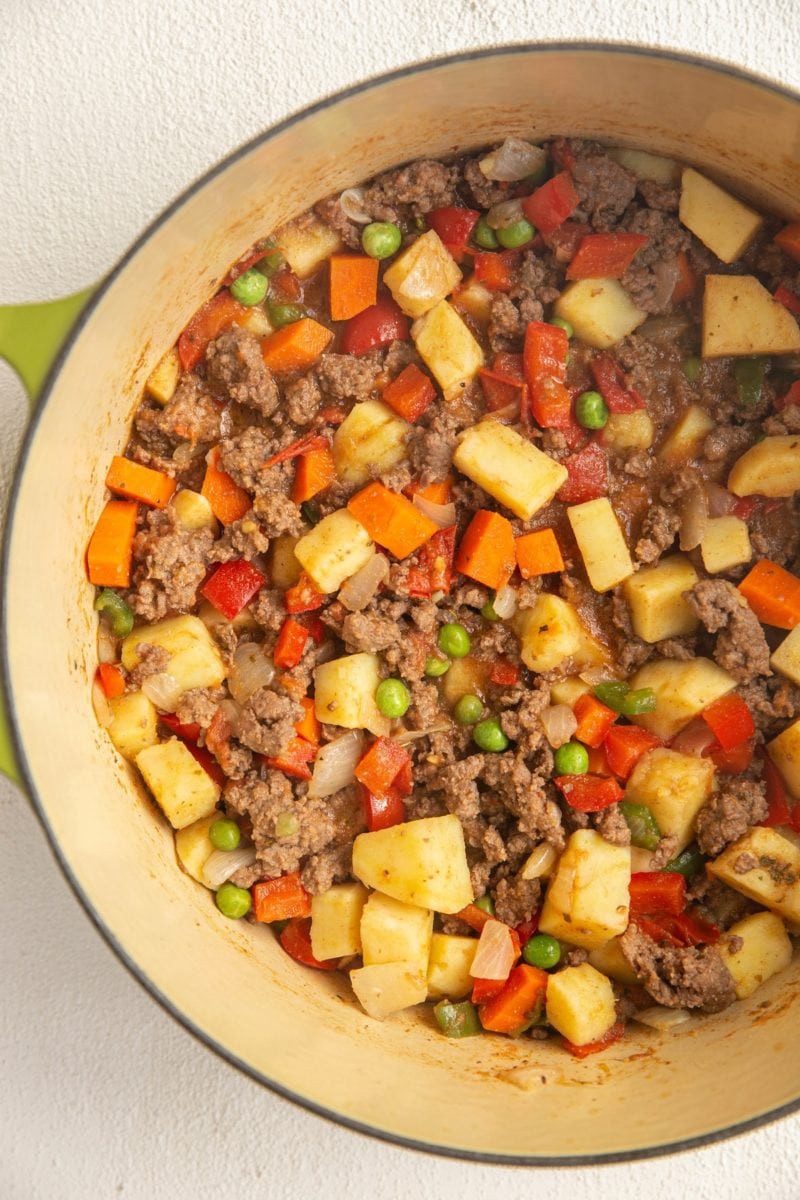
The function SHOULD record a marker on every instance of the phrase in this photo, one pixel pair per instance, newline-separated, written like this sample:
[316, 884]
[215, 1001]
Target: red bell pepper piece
[565, 240]
[309, 441]
[694, 930]
[551, 204]
[381, 765]
[587, 472]
[281, 898]
[434, 569]
[615, 1033]
[377, 325]
[657, 893]
[523, 995]
[290, 644]
[303, 596]
[787, 299]
[594, 720]
[294, 759]
[504, 673]
[473, 916]
[112, 681]
[207, 762]
[486, 989]
[730, 762]
[206, 324]
[779, 809]
[189, 733]
[658, 929]
[527, 929]
[295, 939]
[509, 365]
[624, 746]
[286, 286]
[454, 226]
[610, 380]
[545, 363]
[495, 269]
[743, 507]
[605, 255]
[410, 393]
[588, 793]
[789, 240]
[501, 391]
[232, 586]
[381, 812]
[791, 397]
[730, 720]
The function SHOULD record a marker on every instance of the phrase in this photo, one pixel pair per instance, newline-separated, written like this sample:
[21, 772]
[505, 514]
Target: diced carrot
[206, 324]
[789, 240]
[410, 393]
[495, 270]
[438, 492]
[296, 346]
[538, 553]
[353, 284]
[521, 999]
[504, 673]
[302, 596]
[280, 899]
[301, 445]
[112, 681]
[131, 479]
[309, 727]
[687, 280]
[108, 557]
[391, 519]
[473, 916]
[614, 1034]
[290, 644]
[315, 471]
[486, 552]
[594, 720]
[228, 501]
[486, 989]
[773, 593]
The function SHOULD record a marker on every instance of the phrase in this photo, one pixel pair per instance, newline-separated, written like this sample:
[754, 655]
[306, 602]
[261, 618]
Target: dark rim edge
[703, 62]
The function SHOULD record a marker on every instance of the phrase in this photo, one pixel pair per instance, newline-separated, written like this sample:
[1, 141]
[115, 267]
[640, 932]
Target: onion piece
[102, 709]
[357, 591]
[540, 862]
[221, 864]
[496, 953]
[506, 213]
[106, 645]
[335, 764]
[661, 1018]
[443, 515]
[505, 602]
[668, 326]
[350, 203]
[595, 675]
[559, 723]
[412, 735]
[163, 690]
[512, 161]
[720, 500]
[693, 512]
[251, 669]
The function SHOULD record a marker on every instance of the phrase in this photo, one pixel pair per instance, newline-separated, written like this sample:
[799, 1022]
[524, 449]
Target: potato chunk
[601, 542]
[392, 931]
[336, 921]
[784, 750]
[587, 900]
[369, 441]
[770, 468]
[725, 544]
[446, 346]
[628, 431]
[420, 862]
[344, 693]
[647, 166]
[386, 988]
[509, 467]
[422, 275]
[307, 243]
[685, 439]
[475, 299]
[193, 846]
[134, 726]
[766, 949]
[683, 689]
[580, 1004]
[674, 787]
[552, 634]
[655, 598]
[194, 660]
[765, 867]
[786, 659]
[180, 785]
[448, 966]
[600, 311]
[612, 962]
[163, 379]
[740, 317]
[722, 223]
[285, 567]
[334, 550]
[192, 510]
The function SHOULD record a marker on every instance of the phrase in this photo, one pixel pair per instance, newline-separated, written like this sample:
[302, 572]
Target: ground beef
[741, 646]
[604, 187]
[331, 212]
[190, 416]
[243, 456]
[483, 192]
[516, 900]
[241, 539]
[267, 720]
[679, 977]
[152, 661]
[771, 701]
[277, 514]
[235, 370]
[523, 724]
[431, 445]
[575, 956]
[650, 280]
[343, 377]
[729, 813]
[268, 609]
[505, 323]
[658, 533]
[199, 705]
[368, 632]
[718, 903]
[522, 790]
[303, 399]
[418, 188]
[664, 852]
[534, 286]
[611, 825]
[775, 533]
[169, 565]
[726, 442]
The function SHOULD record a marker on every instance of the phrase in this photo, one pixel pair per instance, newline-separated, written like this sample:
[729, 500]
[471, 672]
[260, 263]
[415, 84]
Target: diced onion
[357, 591]
[595, 675]
[164, 690]
[106, 645]
[221, 864]
[505, 602]
[512, 161]
[720, 500]
[335, 764]
[669, 326]
[559, 723]
[412, 735]
[350, 203]
[506, 213]
[540, 862]
[101, 706]
[661, 1018]
[496, 953]
[251, 669]
[693, 511]
[444, 515]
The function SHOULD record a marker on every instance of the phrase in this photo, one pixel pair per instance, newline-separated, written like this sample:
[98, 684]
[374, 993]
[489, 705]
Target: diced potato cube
[725, 544]
[448, 967]
[345, 693]
[163, 379]
[213, 619]
[369, 441]
[448, 349]
[685, 439]
[257, 322]
[674, 787]
[683, 689]
[722, 223]
[392, 931]
[192, 510]
[386, 988]
[784, 750]
[612, 962]
[786, 659]
[422, 275]
[334, 550]
[509, 467]
[766, 949]
[599, 310]
[770, 468]
[419, 862]
[134, 726]
[180, 785]
[655, 599]
[464, 676]
[587, 900]
[740, 317]
[336, 921]
[306, 243]
[193, 845]
[601, 542]
[552, 635]
[194, 660]
[773, 879]
[567, 691]
[475, 299]
[285, 567]
[580, 1004]
[647, 166]
[628, 431]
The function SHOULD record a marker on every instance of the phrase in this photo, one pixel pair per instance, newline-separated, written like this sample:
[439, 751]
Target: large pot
[297, 1030]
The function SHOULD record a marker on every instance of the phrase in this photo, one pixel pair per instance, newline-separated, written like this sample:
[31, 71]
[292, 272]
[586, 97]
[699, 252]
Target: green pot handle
[31, 336]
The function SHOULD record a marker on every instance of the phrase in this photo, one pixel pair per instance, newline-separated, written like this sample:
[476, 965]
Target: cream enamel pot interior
[296, 1030]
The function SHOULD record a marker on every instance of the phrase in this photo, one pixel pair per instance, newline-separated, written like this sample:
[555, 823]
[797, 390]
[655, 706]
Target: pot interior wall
[298, 1029]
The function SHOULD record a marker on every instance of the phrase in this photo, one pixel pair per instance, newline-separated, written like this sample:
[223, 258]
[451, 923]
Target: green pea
[468, 710]
[224, 834]
[284, 314]
[381, 239]
[691, 368]
[591, 410]
[485, 236]
[115, 612]
[392, 697]
[488, 736]
[233, 901]
[435, 666]
[542, 951]
[488, 613]
[560, 323]
[518, 234]
[454, 640]
[485, 904]
[571, 759]
[250, 288]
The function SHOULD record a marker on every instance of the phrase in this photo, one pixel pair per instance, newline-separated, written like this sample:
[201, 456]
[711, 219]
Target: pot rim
[708, 62]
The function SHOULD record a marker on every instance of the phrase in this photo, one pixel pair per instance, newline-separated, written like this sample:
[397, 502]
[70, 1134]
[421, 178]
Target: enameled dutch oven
[296, 1030]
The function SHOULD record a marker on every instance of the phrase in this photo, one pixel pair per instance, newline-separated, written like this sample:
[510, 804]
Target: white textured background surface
[108, 110]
